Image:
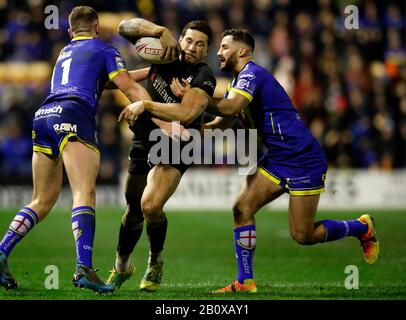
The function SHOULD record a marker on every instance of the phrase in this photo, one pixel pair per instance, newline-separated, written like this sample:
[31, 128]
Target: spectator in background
[15, 149]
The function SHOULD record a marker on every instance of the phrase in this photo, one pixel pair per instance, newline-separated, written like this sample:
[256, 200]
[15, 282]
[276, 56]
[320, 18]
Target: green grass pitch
[199, 257]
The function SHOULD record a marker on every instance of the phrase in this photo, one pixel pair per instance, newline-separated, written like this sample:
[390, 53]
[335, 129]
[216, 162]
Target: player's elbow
[129, 29]
[122, 27]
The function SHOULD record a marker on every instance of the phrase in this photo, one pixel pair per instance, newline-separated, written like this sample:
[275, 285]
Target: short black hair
[201, 26]
[82, 18]
[242, 35]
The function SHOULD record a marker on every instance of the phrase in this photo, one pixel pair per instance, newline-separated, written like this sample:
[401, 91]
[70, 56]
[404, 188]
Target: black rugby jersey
[158, 86]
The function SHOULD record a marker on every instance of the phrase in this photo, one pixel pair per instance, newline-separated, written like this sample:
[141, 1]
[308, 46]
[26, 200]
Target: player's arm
[229, 106]
[137, 75]
[133, 90]
[220, 123]
[137, 28]
[193, 104]
[181, 86]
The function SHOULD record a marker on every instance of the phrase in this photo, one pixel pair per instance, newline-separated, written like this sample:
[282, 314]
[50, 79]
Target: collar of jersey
[81, 38]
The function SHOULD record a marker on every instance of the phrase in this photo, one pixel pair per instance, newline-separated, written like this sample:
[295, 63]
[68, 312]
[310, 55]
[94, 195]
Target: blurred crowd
[348, 84]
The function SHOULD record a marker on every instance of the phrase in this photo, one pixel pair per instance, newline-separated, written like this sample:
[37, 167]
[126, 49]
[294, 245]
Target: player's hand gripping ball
[150, 49]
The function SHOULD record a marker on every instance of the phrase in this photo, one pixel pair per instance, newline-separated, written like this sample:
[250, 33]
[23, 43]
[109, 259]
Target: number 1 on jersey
[65, 72]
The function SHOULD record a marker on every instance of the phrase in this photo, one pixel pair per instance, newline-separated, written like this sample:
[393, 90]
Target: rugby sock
[156, 234]
[336, 229]
[83, 227]
[128, 238]
[244, 243]
[122, 263]
[23, 222]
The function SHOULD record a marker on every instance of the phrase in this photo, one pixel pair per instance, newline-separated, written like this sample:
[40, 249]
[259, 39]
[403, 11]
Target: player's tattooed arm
[136, 28]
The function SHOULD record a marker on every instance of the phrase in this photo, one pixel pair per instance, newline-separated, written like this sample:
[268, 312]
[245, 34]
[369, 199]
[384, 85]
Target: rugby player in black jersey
[149, 186]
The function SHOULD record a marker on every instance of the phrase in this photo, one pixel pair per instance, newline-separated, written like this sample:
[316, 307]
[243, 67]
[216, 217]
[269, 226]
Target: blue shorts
[58, 122]
[302, 173]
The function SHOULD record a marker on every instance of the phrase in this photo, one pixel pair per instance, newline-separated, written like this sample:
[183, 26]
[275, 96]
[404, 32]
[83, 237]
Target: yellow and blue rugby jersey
[271, 111]
[82, 70]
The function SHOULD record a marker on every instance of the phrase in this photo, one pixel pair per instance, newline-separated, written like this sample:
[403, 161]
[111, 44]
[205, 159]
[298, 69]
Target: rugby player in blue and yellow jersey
[64, 133]
[294, 162]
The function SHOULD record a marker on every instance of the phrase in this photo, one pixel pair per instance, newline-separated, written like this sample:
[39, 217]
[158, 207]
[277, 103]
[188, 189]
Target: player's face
[228, 54]
[194, 45]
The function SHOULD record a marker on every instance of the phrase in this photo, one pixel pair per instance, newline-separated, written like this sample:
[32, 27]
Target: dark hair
[201, 26]
[242, 35]
[82, 18]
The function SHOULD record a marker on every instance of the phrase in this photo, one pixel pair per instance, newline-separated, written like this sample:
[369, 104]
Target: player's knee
[151, 209]
[133, 205]
[302, 236]
[241, 212]
[132, 219]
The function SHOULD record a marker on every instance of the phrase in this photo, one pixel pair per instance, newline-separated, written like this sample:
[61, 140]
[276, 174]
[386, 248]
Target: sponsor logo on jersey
[250, 76]
[208, 83]
[65, 127]
[120, 62]
[246, 85]
[160, 85]
[242, 84]
[56, 109]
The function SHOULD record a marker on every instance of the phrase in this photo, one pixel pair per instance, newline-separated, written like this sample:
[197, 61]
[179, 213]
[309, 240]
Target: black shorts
[141, 161]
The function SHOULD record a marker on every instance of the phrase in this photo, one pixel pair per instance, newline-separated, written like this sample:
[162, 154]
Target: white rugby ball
[149, 49]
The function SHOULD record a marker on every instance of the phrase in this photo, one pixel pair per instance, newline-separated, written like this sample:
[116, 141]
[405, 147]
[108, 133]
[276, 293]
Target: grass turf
[199, 257]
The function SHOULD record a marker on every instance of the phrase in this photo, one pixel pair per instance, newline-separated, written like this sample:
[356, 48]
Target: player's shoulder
[203, 68]
[103, 46]
[253, 71]
[251, 66]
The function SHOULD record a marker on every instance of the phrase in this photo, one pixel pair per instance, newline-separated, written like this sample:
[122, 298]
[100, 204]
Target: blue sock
[336, 229]
[23, 222]
[244, 243]
[83, 227]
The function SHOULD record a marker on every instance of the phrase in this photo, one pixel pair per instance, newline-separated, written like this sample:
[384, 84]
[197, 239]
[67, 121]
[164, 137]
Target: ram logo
[65, 127]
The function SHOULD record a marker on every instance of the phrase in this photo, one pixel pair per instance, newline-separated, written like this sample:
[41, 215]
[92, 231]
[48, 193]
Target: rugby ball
[149, 49]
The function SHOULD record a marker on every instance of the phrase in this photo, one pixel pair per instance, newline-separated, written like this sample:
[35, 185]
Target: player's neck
[84, 34]
[240, 65]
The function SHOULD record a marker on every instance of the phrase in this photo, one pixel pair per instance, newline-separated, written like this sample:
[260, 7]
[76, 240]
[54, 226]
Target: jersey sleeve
[114, 61]
[204, 80]
[247, 83]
